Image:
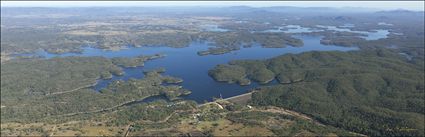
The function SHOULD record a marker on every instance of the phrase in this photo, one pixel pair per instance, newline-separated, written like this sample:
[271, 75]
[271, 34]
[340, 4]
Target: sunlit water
[213, 28]
[347, 25]
[369, 35]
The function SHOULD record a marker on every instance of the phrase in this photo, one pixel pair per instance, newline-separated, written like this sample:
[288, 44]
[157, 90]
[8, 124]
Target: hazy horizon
[377, 5]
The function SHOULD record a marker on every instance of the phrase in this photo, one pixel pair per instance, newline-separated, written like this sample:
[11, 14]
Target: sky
[381, 5]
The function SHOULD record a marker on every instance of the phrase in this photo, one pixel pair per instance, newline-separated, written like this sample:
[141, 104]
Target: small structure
[195, 134]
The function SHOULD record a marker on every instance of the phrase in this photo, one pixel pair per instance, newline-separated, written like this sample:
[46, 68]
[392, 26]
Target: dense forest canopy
[62, 86]
[375, 92]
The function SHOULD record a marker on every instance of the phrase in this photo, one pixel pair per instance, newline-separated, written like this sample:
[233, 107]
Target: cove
[185, 63]
[369, 35]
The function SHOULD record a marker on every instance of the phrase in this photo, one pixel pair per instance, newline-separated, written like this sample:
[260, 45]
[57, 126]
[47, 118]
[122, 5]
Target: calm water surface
[185, 63]
[292, 29]
[213, 28]
[369, 35]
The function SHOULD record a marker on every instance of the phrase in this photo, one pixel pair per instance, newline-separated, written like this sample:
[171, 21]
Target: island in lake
[212, 71]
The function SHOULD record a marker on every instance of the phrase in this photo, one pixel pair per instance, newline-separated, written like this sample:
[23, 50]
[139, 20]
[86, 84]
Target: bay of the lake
[185, 63]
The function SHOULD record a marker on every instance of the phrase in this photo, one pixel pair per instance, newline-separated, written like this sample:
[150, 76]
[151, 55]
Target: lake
[369, 35]
[185, 63]
[292, 29]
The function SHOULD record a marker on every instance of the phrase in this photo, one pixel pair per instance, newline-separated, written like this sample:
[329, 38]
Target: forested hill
[375, 92]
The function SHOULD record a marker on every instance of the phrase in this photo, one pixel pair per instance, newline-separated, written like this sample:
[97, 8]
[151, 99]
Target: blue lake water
[213, 28]
[348, 25]
[185, 63]
[377, 34]
[385, 24]
[369, 35]
[292, 29]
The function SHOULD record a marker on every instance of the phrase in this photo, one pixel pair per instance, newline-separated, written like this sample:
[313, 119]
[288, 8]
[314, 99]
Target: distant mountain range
[398, 11]
[199, 10]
